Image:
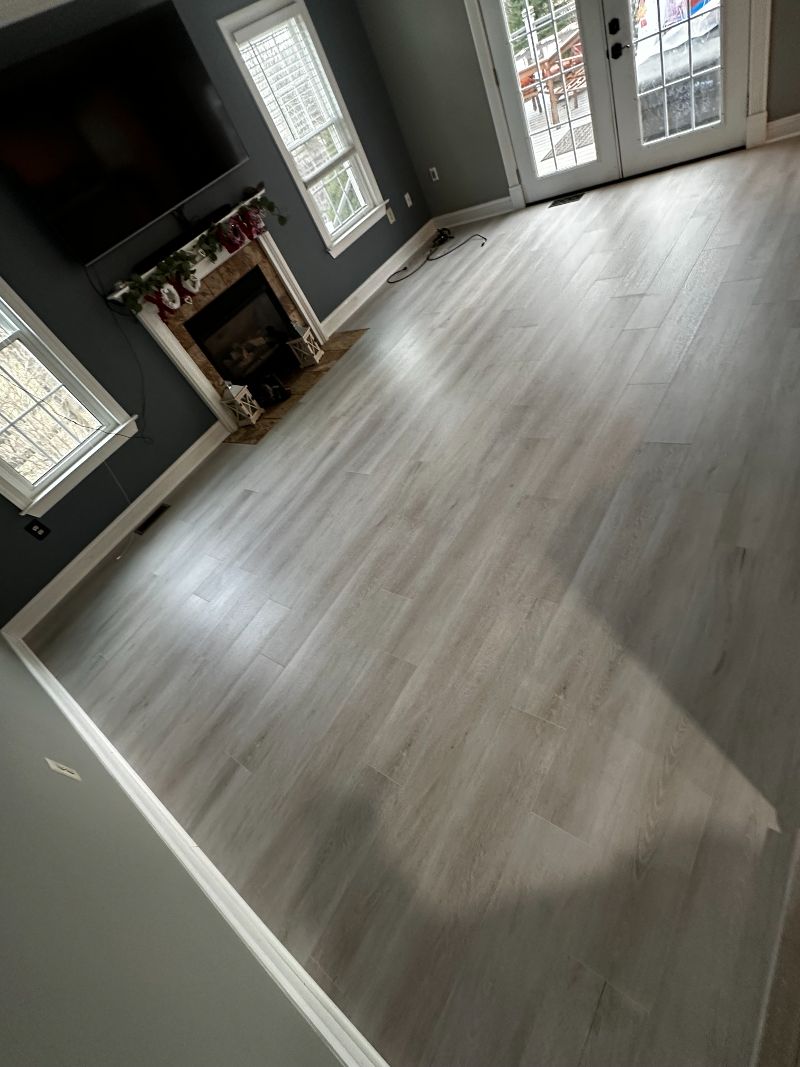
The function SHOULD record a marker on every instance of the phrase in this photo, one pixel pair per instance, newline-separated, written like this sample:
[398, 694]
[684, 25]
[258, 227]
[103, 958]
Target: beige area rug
[335, 347]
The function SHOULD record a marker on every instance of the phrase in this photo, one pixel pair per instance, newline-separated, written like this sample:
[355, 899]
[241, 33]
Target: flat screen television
[108, 133]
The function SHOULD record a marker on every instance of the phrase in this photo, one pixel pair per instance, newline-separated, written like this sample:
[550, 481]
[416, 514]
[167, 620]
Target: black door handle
[613, 26]
[617, 49]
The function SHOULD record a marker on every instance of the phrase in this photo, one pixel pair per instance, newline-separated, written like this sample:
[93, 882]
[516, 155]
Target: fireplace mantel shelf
[205, 264]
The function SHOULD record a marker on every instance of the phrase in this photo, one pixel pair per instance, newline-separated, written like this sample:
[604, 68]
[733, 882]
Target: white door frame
[757, 81]
[499, 118]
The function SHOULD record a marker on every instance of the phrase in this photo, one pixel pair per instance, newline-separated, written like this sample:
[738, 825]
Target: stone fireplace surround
[216, 277]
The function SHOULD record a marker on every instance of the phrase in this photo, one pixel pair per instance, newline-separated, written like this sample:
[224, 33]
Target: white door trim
[499, 117]
[758, 72]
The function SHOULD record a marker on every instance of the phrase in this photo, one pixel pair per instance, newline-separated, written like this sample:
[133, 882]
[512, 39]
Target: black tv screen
[106, 134]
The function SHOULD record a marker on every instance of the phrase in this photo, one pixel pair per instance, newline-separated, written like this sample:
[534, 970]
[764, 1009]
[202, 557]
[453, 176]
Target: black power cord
[440, 238]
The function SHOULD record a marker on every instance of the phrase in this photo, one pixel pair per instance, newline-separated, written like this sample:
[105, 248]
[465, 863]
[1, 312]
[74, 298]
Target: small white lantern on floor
[242, 403]
[306, 348]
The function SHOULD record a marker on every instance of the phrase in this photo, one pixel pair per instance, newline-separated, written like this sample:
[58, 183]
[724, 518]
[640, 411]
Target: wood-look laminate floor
[479, 678]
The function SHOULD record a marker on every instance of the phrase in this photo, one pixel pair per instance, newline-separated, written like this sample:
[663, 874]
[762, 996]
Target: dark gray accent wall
[111, 953]
[783, 96]
[61, 293]
[428, 60]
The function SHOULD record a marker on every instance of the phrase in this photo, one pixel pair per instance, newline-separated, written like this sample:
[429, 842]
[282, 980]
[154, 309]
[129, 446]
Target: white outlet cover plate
[62, 768]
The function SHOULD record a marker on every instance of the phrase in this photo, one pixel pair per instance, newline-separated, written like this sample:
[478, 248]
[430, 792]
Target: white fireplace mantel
[149, 318]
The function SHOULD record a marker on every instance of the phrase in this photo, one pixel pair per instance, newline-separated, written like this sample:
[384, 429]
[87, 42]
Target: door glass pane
[674, 40]
[547, 48]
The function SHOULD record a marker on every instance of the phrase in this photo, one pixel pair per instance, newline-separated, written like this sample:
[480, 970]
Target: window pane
[318, 150]
[339, 196]
[672, 11]
[679, 106]
[547, 48]
[20, 364]
[22, 456]
[40, 427]
[651, 108]
[43, 422]
[288, 74]
[706, 98]
[678, 47]
[63, 405]
[284, 65]
[675, 43]
[14, 401]
[705, 41]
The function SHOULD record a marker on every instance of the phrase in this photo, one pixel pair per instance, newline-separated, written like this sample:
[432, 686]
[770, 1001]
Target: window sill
[349, 236]
[58, 489]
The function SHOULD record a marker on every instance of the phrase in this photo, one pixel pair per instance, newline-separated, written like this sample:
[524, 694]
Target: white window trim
[65, 367]
[269, 12]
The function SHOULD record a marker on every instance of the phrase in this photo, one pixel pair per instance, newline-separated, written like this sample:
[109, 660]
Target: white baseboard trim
[488, 210]
[376, 280]
[319, 1011]
[125, 523]
[755, 130]
[778, 129]
[339, 316]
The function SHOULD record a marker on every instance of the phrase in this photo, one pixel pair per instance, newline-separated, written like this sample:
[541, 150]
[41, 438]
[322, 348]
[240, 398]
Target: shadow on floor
[440, 968]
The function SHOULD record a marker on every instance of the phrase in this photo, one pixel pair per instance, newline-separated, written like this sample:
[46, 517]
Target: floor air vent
[566, 199]
[154, 516]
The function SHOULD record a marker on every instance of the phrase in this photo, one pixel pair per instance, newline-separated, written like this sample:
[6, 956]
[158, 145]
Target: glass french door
[679, 77]
[594, 90]
[549, 58]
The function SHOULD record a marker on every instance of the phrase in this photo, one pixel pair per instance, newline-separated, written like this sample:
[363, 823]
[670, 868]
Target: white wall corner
[106, 541]
[756, 130]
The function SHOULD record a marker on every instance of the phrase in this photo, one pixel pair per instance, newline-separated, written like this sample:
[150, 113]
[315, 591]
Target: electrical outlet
[434, 173]
[62, 768]
[408, 200]
[390, 214]
[37, 529]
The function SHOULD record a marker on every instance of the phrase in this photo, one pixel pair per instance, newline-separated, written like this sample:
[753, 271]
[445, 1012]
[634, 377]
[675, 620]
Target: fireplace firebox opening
[244, 333]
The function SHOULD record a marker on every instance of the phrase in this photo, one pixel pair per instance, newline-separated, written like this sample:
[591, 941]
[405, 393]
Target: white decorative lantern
[306, 348]
[239, 400]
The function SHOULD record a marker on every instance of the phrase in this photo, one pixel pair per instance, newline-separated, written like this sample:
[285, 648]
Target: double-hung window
[56, 422]
[278, 51]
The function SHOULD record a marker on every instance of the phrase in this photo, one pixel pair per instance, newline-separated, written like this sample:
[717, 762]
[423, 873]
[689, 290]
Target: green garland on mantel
[180, 266]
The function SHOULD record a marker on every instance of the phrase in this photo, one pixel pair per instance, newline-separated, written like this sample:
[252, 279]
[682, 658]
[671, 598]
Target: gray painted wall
[427, 57]
[62, 295]
[111, 954]
[783, 96]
